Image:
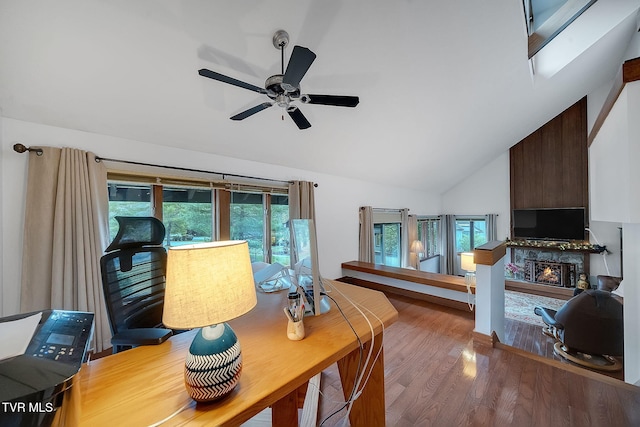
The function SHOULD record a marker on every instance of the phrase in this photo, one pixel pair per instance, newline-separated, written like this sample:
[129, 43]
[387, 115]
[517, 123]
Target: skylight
[547, 18]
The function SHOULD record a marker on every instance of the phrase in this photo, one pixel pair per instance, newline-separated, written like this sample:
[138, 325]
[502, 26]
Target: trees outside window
[387, 244]
[189, 216]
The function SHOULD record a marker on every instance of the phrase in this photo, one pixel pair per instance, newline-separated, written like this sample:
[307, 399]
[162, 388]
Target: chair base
[551, 332]
[598, 362]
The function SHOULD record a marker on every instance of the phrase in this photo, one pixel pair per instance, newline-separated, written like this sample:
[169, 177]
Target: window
[470, 233]
[429, 235]
[261, 220]
[279, 229]
[187, 213]
[387, 244]
[189, 216]
[127, 200]
[247, 222]
[547, 18]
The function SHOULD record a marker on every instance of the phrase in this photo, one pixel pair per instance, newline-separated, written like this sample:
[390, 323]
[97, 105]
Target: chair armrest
[548, 316]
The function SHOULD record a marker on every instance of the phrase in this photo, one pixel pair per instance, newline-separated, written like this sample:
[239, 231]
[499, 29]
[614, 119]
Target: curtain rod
[130, 162]
[20, 148]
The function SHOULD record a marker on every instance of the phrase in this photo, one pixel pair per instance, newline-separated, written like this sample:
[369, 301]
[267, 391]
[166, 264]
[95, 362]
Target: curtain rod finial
[20, 148]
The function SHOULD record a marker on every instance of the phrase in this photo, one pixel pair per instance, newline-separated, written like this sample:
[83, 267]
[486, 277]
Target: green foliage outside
[187, 222]
[247, 223]
[391, 240]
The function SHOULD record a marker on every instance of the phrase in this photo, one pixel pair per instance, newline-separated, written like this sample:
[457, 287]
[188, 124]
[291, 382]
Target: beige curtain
[412, 232]
[66, 231]
[366, 247]
[301, 200]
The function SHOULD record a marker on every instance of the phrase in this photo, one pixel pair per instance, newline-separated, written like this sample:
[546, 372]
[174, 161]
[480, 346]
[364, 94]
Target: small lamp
[417, 248]
[467, 264]
[207, 285]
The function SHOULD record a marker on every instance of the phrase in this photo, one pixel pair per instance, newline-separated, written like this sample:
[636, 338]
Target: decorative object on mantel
[583, 283]
[577, 246]
[513, 271]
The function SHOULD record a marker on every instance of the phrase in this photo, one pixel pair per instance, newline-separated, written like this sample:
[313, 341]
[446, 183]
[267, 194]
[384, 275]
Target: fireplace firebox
[550, 273]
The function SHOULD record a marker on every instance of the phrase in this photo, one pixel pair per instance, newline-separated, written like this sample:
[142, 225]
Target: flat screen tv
[549, 224]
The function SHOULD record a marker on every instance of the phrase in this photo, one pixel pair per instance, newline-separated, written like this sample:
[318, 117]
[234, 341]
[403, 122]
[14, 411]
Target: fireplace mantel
[584, 247]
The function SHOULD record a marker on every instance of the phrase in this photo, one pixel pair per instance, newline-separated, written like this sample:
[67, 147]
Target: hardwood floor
[435, 377]
[529, 338]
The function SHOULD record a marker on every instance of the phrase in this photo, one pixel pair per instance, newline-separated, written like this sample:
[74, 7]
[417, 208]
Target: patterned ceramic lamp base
[214, 363]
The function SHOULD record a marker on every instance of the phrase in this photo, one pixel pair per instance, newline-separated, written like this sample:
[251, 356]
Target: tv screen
[549, 224]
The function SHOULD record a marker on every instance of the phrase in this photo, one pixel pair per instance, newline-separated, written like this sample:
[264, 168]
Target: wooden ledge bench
[441, 289]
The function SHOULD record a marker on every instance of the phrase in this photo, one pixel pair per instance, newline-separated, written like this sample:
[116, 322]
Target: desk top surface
[145, 385]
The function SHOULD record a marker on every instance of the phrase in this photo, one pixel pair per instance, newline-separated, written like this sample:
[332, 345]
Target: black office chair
[133, 280]
[588, 329]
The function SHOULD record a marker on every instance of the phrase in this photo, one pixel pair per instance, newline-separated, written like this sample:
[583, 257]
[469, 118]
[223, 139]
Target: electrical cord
[361, 353]
[358, 384]
[604, 253]
[185, 406]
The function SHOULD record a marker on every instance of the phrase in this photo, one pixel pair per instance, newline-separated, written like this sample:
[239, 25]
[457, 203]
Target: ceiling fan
[284, 89]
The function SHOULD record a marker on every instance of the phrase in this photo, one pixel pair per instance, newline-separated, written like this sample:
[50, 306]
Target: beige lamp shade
[207, 284]
[417, 247]
[466, 261]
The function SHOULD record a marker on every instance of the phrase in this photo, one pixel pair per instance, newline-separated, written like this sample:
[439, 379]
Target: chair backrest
[593, 323]
[133, 274]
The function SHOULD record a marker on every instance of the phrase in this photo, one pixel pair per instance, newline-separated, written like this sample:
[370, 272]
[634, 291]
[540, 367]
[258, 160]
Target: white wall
[337, 199]
[631, 294]
[484, 192]
[613, 175]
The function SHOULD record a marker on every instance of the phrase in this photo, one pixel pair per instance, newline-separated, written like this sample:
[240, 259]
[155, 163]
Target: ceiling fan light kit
[284, 89]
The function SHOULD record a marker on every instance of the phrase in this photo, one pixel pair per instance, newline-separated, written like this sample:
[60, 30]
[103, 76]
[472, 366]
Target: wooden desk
[142, 386]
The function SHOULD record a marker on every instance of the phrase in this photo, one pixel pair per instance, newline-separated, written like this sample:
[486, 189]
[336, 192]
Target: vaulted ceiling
[444, 86]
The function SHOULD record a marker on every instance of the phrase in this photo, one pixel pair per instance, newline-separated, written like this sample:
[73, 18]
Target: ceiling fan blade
[300, 61]
[230, 80]
[251, 111]
[337, 100]
[299, 118]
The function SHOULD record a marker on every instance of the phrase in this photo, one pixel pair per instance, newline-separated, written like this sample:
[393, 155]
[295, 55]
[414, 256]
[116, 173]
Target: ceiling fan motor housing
[274, 87]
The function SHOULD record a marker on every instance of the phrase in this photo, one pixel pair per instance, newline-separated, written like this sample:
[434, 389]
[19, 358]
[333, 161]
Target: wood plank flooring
[435, 377]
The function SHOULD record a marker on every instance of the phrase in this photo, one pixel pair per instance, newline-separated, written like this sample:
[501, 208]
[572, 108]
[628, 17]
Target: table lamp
[468, 265]
[417, 248]
[206, 285]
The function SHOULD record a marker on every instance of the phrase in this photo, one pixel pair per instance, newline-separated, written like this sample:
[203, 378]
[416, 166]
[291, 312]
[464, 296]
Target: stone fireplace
[549, 267]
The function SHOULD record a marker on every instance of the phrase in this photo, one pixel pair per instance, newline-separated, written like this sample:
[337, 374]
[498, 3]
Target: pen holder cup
[295, 330]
